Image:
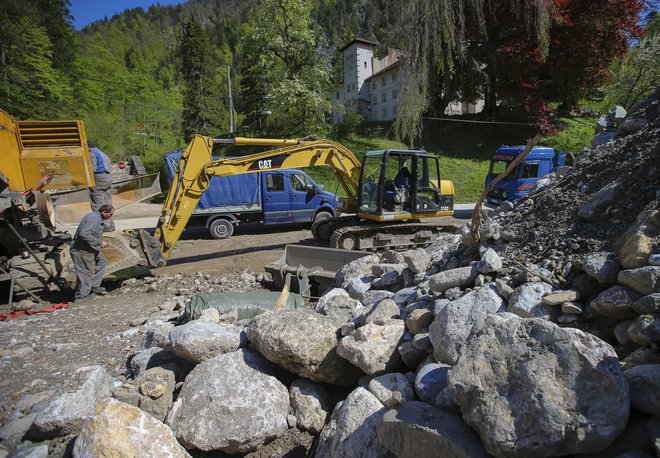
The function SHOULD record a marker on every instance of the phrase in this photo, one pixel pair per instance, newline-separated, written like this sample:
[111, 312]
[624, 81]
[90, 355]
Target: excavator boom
[197, 166]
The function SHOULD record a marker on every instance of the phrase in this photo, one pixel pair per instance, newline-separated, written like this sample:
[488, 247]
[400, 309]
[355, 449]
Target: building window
[365, 64]
[394, 111]
[374, 100]
[385, 113]
[337, 95]
[348, 88]
[393, 77]
[395, 93]
[373, 86]
[384, 96]
[383, 82]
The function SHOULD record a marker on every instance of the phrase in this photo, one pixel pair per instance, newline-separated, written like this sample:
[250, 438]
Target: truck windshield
[498, 167]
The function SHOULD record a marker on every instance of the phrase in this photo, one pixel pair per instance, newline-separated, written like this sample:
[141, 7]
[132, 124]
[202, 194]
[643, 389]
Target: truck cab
[539, 162]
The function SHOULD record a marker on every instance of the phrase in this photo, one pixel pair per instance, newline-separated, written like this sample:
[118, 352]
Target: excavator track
[353, 233]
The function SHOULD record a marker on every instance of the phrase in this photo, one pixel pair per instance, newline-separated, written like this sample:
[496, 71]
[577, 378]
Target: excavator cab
[401, 184]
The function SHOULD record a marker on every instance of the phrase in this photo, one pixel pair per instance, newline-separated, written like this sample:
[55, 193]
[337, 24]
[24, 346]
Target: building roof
[385, 70]
[358, 40]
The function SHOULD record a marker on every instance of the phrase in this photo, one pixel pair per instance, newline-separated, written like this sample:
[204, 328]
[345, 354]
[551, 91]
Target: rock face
[417, 430]
[310, 405]
[530, 388]
[303, 342]
[373, 347]
[351, 431]
[122, 430]
[230, 403]
[67, 412]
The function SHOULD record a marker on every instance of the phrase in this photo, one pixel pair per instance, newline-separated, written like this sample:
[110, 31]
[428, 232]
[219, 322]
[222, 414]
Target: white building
[371, 86]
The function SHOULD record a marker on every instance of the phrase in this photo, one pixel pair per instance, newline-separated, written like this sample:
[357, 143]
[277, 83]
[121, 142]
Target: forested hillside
[145, 81]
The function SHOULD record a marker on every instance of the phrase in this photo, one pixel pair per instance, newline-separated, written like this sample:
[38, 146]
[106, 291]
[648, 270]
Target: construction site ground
[40, 352]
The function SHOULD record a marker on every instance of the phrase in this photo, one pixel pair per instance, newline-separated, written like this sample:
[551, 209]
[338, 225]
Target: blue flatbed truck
[270, 197]
[540, 161]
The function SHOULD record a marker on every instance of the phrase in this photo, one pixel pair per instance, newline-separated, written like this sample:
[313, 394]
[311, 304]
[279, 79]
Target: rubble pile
[539, 339]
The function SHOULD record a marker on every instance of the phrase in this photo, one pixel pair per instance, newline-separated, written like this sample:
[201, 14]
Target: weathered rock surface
[527, 301]
[198, 340]
[391, 389]
[373, 347]
[415, 429]
[231, 403]
[644, 382]
[310, 405]
[119, 429]
[570, 395]
[303, 342]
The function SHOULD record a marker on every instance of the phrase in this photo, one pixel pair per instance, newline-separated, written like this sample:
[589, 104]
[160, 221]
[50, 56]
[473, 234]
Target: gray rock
[572, 308]
[490, 262]
[462, 276]
[320, 304]
[351, 432]
[360, 267]
[381, 269]
[65, 413]
[158, 357]
[411, 356]
[310, 405]
[157, 334]
[550, 368]
[217, 413]
[210, 315]
[12, 433]
[373, 347]
[119, 429]
[414, 429]
[432, 386]
[156, 387]
[615, 302]
[602, 266]
[641, 355]
[602, 138]
[452, 325]
[380, 312]
[621, 332]
[198, 341]
[303, 342]
[405, 295]
[391, 389]
[422, 341]
[645, 329]
[417, 260]
[647, 304]
[418, 320]
[372, 296]
[30, 450]
[644, 383]
[390, 279]
[359, 286]
[340, 309]
[503, 289]
[560, 297]
[645, 280]
[527, 301]
[392, 257]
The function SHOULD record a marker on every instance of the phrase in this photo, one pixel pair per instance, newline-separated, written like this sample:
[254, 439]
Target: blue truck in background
[270, 197]
[540, 161]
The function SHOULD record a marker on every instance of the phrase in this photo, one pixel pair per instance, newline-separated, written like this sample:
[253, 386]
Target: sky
[87, 11]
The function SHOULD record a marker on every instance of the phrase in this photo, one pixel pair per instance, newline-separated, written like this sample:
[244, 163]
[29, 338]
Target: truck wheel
[322, 228]
[221, 229]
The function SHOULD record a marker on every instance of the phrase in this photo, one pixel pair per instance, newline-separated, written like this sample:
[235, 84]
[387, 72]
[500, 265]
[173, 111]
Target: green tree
[284, 65]
[202, 107]
[637, 74]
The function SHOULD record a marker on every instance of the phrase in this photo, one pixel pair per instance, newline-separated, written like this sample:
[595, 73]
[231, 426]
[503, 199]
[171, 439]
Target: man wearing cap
[101, 193]
[86, 252]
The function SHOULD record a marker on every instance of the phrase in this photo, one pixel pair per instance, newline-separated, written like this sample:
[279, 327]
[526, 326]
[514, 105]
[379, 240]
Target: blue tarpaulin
[223, 191]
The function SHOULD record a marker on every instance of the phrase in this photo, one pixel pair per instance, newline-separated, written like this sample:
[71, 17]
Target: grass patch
[574, 137]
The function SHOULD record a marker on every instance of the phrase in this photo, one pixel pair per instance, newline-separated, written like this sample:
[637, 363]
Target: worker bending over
[86, 252]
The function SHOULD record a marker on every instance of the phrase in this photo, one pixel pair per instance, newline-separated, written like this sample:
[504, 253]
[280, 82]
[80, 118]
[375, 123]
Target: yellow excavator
[385, 198]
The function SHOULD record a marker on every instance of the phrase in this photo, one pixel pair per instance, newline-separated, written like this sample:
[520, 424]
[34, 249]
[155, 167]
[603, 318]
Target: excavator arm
[197, 166]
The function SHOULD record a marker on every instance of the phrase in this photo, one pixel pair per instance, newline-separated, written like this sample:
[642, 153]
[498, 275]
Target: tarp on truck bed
[230, 191]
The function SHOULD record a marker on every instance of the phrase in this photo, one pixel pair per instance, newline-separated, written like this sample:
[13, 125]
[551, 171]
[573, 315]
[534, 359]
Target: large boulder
[415, 429]
[198, 340]
[231, 403]
[65, 413]
[357, 268]
[303, 342]
[452, 325]
[351, 431]
[531, 388]
[373, 347]
[119, 429]
[461, 276]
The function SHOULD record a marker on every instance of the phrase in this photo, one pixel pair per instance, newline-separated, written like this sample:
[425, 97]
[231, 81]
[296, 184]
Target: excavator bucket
[310, 270]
